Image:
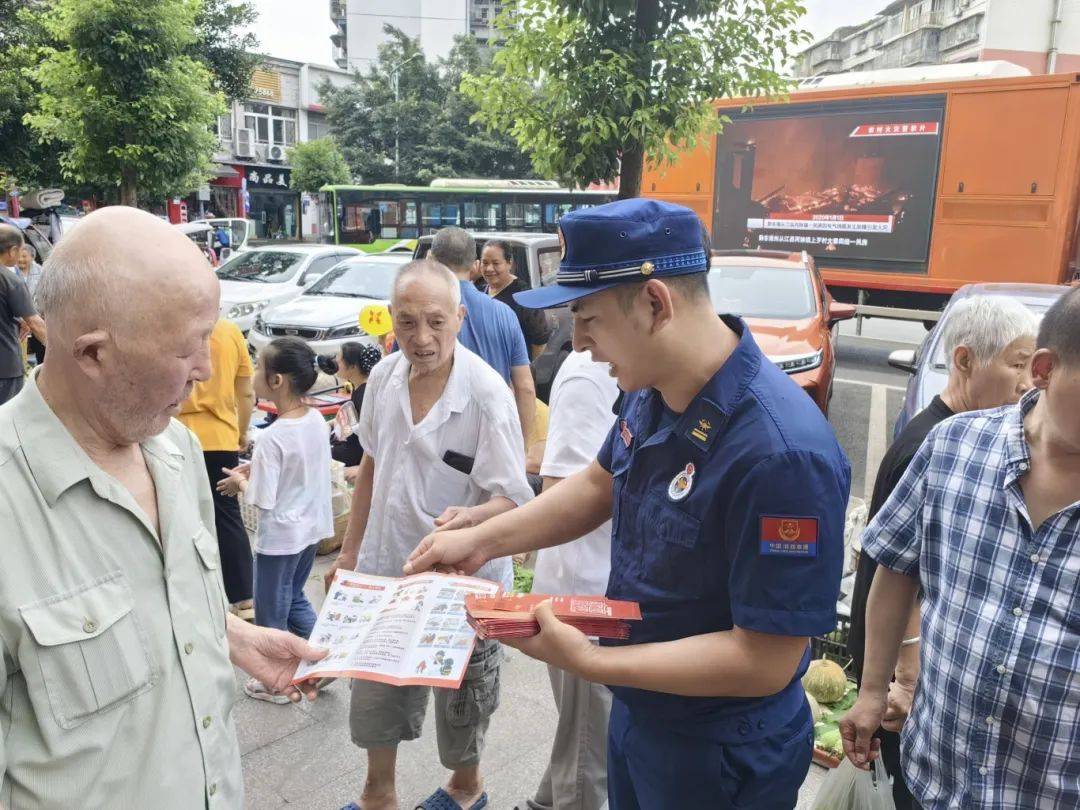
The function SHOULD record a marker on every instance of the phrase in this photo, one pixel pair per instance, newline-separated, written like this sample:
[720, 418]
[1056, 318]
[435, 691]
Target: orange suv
[789, 311]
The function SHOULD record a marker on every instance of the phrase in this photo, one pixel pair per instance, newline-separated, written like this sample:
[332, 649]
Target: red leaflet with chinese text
[511, 616]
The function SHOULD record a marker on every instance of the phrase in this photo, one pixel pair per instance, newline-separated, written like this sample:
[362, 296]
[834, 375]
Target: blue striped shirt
[996, 716]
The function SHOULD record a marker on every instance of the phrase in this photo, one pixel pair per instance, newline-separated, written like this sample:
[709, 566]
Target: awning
[224, 170]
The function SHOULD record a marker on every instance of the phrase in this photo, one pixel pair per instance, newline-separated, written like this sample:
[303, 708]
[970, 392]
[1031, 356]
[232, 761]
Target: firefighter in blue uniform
[727, 492]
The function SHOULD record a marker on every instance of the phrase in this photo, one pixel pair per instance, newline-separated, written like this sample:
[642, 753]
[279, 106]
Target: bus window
[437, 215]
[532, 216]
[391, 219]
[553, 212]
[480, 216]
[409, 229]
[472, 216]
[431, 214]
[515, 216]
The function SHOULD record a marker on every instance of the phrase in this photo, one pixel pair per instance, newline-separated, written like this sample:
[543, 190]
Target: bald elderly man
[116, 688]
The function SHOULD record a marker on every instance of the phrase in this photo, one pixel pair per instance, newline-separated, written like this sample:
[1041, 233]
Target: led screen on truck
[852, 183]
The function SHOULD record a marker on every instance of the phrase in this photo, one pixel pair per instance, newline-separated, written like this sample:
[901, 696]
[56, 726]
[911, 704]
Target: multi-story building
[253, 172]
[360, 26]
[1040, 35]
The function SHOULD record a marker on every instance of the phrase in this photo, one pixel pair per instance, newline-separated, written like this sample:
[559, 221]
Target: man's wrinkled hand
[858, 727]
[272, 656]
[455, 517]
[456, 550]
[897, 706]
[557, 643]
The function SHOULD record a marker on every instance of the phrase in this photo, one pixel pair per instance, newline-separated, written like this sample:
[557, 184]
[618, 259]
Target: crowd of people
[679, 469]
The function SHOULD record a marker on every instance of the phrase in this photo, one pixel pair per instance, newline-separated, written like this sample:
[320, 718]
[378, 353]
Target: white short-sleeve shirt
[582, 397]
[475, 417]
[290, 484]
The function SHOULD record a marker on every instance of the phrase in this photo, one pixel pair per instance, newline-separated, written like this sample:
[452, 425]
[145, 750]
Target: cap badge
[647, 268]
[680, 485]
[562, 244]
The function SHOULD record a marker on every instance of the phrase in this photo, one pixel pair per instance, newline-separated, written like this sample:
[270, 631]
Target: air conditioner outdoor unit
[276, 152]
[244, 143]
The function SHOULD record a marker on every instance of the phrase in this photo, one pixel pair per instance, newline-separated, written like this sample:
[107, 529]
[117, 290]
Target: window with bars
[270, 123]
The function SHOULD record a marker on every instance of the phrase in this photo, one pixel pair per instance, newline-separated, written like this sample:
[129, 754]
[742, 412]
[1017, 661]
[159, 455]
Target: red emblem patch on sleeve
[789, 536]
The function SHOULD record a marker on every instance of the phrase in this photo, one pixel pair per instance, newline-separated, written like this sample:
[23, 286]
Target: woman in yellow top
[218, 413]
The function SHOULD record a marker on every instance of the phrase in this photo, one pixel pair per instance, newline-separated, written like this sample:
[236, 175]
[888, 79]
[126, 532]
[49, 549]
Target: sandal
[441, 800]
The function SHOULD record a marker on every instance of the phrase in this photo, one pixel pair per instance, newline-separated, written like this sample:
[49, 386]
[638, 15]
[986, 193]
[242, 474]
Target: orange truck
[901, 192]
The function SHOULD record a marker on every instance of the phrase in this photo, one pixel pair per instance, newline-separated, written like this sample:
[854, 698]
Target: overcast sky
[301, 30]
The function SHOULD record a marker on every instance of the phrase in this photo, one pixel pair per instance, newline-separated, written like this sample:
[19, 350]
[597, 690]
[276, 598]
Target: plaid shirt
[996, 717]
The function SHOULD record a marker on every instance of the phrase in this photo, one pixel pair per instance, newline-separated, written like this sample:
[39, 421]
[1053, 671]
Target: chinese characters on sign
[268, 178]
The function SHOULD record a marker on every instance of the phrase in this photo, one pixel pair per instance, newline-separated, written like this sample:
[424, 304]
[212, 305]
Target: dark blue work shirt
[491, 330]
[731, 515]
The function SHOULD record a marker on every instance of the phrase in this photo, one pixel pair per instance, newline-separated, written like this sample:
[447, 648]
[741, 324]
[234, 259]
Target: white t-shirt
[582, 397]
[290, 484]
[475, 417]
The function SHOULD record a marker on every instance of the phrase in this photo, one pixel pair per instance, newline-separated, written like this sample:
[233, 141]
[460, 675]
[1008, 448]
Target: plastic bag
[848, 788]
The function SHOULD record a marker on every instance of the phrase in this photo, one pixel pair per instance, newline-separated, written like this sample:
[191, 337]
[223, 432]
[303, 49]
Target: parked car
[536, 262]
[262, 277]
[788, 309]
[928, 365]
[327, 314]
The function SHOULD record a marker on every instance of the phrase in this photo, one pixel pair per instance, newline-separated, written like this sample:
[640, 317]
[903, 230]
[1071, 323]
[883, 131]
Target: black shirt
[349, 452]
[893, 466]
[15, 303]
[534, 322]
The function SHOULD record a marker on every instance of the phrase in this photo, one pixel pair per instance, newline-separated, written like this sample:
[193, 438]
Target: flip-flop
[352, 806]
[441, 800]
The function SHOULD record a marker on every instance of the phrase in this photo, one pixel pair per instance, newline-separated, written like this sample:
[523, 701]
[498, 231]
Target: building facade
[435, 23]
[1040, 35]
[252, 168]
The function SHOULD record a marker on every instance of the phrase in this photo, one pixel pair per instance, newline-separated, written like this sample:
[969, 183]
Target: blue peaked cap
[621, 242]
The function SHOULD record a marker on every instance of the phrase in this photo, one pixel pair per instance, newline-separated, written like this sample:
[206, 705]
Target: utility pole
[396, 73]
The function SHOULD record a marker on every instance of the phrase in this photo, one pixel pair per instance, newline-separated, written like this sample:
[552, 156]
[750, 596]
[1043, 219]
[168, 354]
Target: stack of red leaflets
[512, 616]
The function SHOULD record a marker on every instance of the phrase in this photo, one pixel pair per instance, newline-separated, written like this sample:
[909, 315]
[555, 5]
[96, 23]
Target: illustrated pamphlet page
[411, 631]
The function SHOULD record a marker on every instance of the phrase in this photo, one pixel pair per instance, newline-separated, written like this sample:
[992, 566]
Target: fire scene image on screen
[829, 170]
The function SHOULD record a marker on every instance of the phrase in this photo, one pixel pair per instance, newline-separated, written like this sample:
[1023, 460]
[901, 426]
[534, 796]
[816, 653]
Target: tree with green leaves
[121, 98]
[25, 40]
[223, 44]
[421, 128]
[22, 36]
[316, 164]
[592, 87]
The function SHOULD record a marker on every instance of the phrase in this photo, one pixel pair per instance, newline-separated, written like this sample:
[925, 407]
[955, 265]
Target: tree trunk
[632, 161]
[129, 187]
[631, 165]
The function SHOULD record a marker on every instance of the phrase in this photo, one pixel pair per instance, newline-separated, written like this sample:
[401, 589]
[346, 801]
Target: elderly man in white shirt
[582, 398]
[442, 447]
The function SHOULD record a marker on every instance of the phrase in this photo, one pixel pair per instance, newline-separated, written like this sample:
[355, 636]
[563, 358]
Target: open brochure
[405, 632]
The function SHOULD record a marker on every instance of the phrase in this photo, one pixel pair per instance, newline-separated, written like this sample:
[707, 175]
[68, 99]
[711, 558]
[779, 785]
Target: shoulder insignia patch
[784, 536]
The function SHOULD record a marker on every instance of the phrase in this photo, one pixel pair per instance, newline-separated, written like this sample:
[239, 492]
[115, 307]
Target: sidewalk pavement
[301, 755]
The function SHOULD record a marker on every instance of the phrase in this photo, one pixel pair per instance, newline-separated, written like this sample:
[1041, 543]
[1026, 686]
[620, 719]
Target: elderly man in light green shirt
[116, 689]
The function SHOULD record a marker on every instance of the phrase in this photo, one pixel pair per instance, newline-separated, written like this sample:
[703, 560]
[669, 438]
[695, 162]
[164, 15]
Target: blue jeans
[279, 591]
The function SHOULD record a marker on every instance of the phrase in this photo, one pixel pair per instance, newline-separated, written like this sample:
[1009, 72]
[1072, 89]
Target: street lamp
[396, 73]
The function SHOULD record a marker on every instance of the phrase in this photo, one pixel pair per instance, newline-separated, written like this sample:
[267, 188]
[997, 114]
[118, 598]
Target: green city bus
[380, 215]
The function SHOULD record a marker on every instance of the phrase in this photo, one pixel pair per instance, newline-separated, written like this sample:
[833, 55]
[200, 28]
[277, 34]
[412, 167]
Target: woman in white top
[288, 480]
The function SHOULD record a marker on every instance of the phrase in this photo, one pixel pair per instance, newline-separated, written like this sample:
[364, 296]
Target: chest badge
[681, 484]
[624, 433]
